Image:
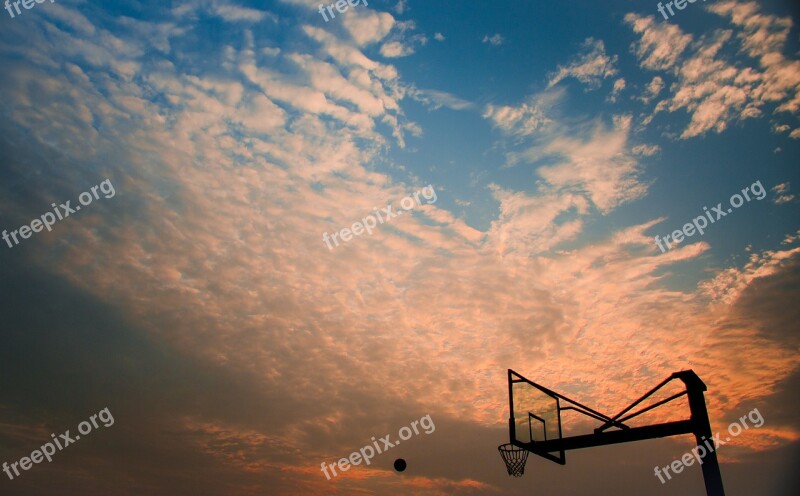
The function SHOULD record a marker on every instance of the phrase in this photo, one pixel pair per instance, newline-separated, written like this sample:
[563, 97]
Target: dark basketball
[399, 464]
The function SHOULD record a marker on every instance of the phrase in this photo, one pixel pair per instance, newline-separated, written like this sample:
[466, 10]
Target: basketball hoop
[515, 459]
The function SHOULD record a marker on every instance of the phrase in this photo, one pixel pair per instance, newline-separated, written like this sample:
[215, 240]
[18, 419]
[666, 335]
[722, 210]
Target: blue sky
[201, 304]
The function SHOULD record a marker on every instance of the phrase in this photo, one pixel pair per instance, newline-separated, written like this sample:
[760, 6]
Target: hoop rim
[510, 447]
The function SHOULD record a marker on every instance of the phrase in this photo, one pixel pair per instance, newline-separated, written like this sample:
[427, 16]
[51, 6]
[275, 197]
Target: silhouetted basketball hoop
[534, 424]
[515, 459]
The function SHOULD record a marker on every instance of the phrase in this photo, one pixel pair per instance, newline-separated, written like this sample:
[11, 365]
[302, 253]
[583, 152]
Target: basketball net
[515, 459]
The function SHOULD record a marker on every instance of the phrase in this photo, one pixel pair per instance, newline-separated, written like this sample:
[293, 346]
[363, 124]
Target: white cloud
[527, 224]
[71, 18]
[327, 78]
[645, 150]
[590, 159]
[729, 284]
[401, 6]
[158, 34]
[401, 44]
[661, 43]
[436, 99]
[495, 39]
[764, 37]
[652, 90]
[715, 91]
[590, 67]
[619, 85]
[222, 9]
[395, 49]
[233, 13]
[367, 26]
[780, 128]
[525, 119]
[782, 194]
[438, 36]
[598, 164]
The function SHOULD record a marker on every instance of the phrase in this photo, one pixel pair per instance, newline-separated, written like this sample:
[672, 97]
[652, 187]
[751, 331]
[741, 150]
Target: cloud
[395, 49]
[588, 159]
[436, 99]
[646, 150]
[715, 91]
[245, 352]
[764, 37]
[367, 27]
[652, 90]
[159, 34]
[363, 73]
[438, 36]
[526, 224]
[401, 7]
[761, 35]
[729, 284]
[780, 128]
[234, 13]
[71, 18]
[661, 43]
[523, 120]
[495, 39]
[590, 67]
[782, 194]
[526, 119]
[401, 44]
[599, 165]
[222, 9]
[271, 51]
[711, 89]
[619, 85]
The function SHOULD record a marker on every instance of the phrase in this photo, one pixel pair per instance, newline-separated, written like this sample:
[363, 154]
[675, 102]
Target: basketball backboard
[534, 424]
[535, 416]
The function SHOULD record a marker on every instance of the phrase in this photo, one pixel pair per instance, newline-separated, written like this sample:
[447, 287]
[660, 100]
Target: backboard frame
[515, 378]
[697, 424]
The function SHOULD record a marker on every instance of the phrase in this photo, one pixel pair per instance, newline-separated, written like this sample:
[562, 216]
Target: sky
[243, 240]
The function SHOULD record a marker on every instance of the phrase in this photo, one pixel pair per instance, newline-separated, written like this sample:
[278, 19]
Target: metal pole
[702, 432]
